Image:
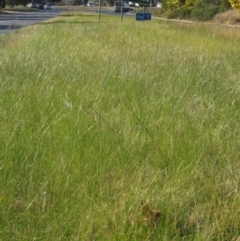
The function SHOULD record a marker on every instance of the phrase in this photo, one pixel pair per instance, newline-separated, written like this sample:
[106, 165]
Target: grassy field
[102, 123]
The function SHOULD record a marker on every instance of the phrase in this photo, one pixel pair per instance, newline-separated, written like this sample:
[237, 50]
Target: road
[10, 22]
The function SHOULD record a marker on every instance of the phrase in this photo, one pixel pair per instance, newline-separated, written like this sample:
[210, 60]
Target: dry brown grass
[231, 17]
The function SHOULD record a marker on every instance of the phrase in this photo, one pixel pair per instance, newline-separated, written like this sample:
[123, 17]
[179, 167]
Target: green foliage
[195, 9]
[204, 12]
[182, 12]
[224, 5]
[235, 4]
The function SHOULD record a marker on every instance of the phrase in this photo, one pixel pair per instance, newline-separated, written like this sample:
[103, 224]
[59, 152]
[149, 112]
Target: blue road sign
[143, 16]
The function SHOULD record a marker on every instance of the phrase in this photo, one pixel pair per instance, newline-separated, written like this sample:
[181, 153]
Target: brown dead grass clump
[146, 216]
[150, 216]
[231, 17]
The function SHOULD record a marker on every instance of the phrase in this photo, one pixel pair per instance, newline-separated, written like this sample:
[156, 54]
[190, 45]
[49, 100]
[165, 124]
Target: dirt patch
[231, 17]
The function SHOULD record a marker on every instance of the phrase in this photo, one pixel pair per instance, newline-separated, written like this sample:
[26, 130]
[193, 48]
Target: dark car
[119, 5]
[40, 6]
[34, 5]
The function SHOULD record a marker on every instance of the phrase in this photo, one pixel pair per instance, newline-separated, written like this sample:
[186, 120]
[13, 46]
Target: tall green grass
[96, 117]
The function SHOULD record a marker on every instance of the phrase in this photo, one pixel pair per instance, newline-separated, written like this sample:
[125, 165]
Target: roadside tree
[195, 9]
[235, 4]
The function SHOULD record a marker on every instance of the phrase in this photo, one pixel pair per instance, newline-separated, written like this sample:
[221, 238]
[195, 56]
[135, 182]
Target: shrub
[204, 12]
[224, 6]
[183, 12]
[195, 9]
[235, 4]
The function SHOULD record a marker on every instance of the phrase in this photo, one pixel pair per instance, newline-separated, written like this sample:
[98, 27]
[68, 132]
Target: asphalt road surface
[10, 22]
